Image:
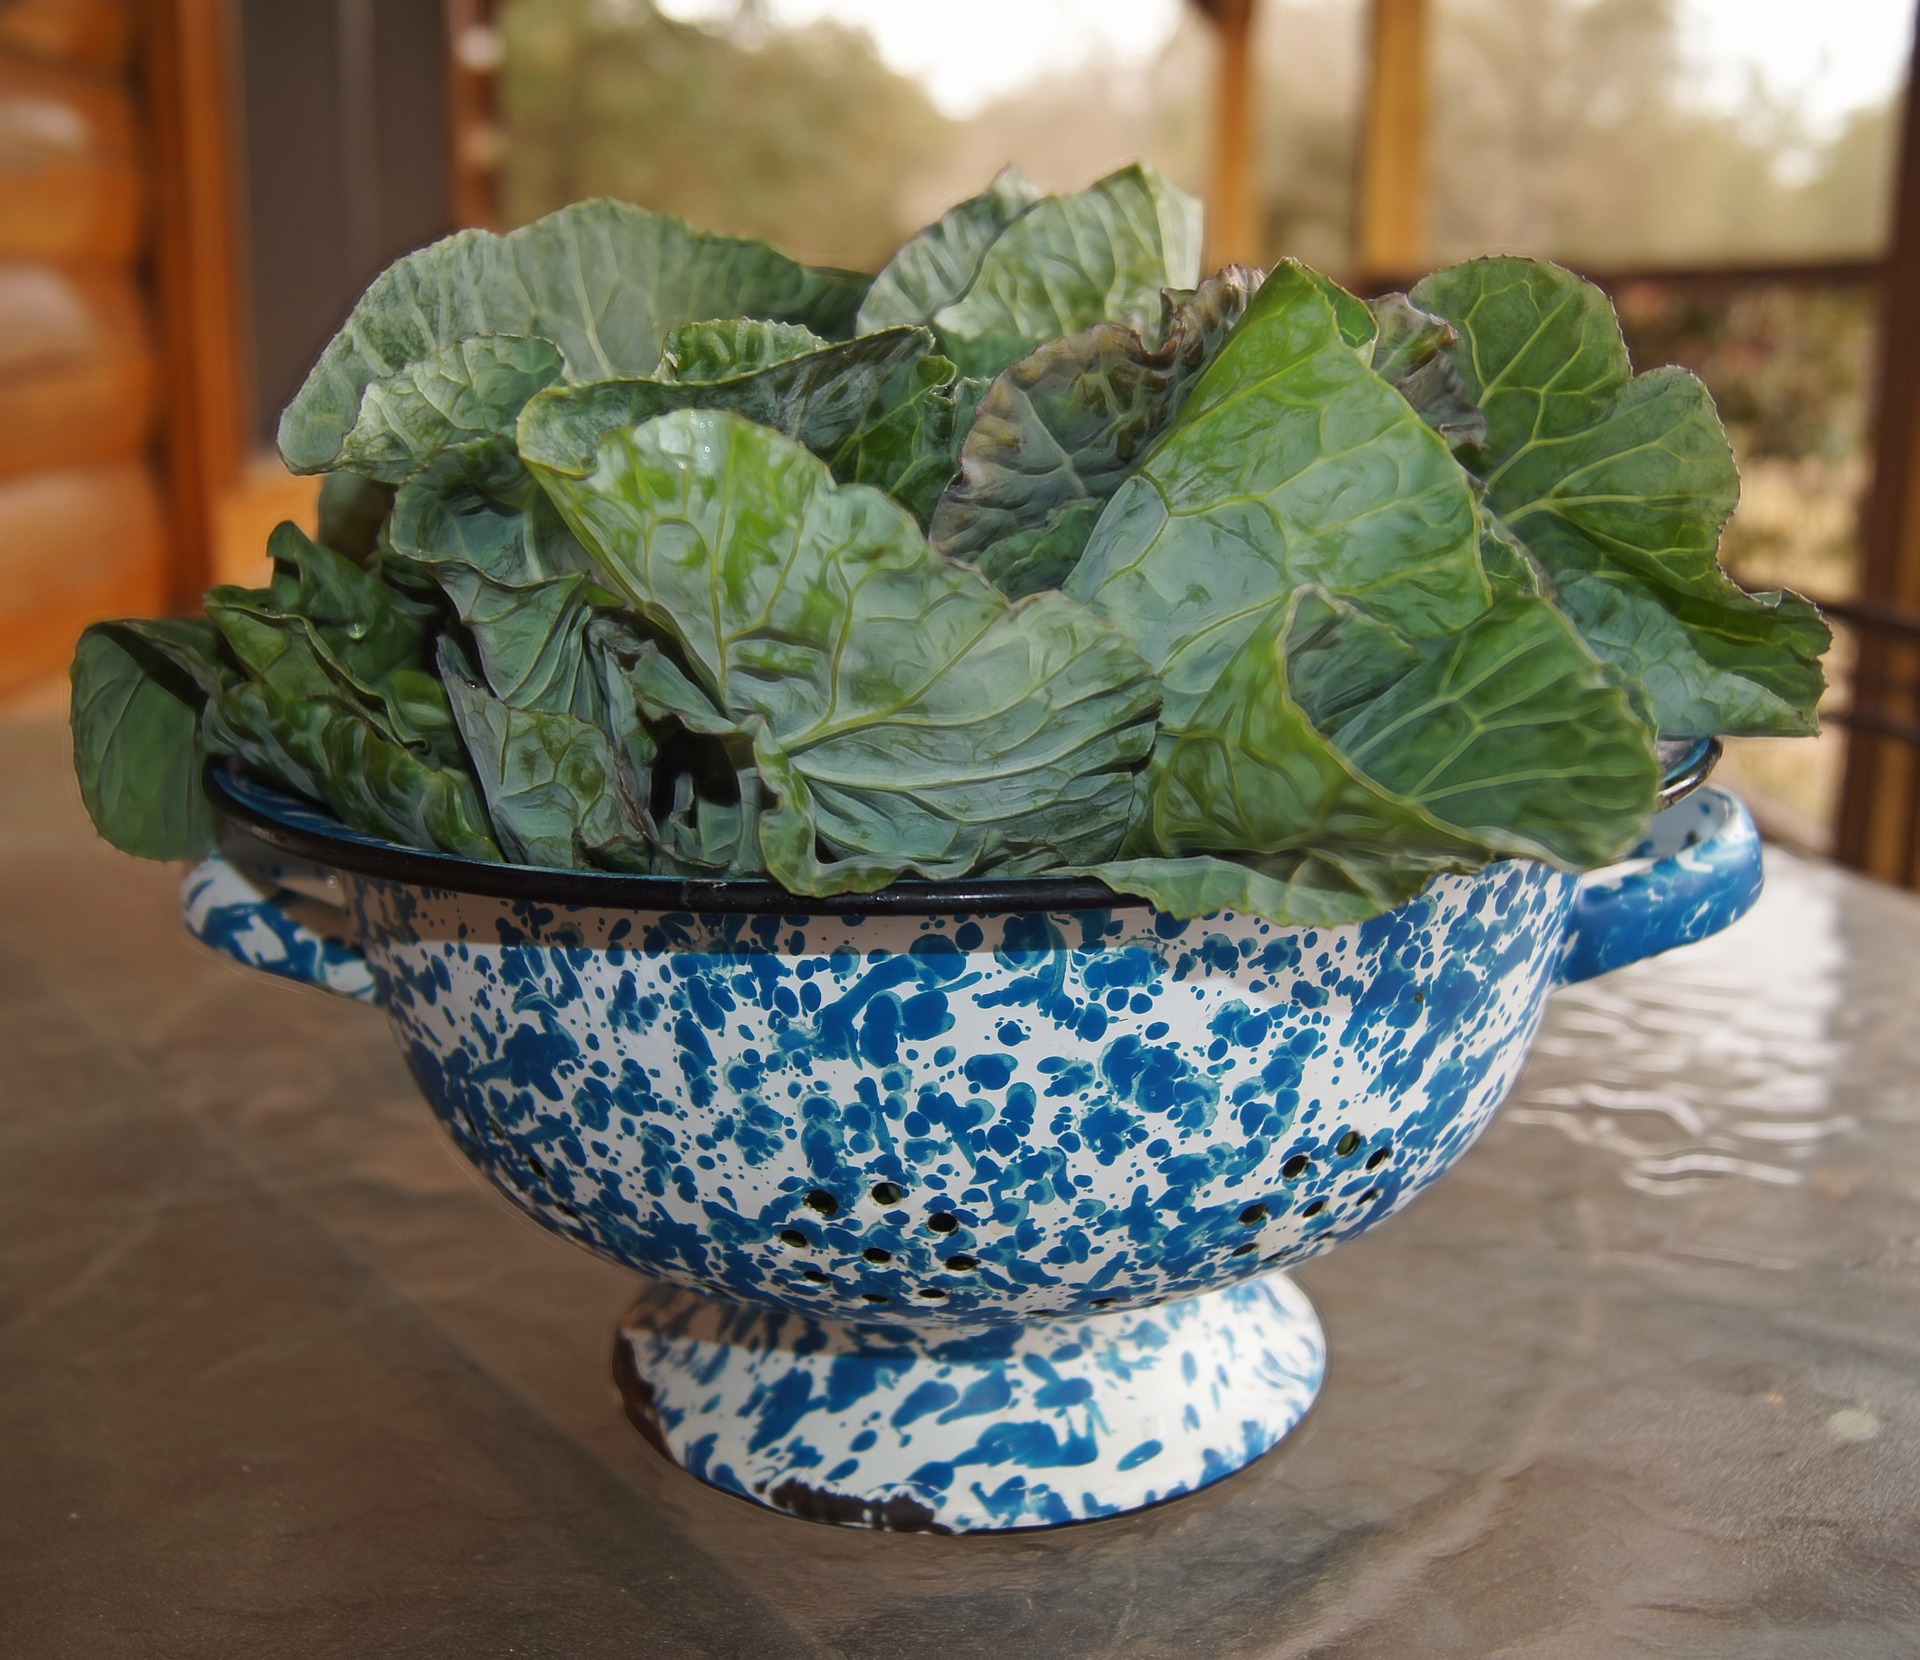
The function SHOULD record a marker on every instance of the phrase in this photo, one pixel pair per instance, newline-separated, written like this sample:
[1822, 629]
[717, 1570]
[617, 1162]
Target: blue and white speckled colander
[962, 1207]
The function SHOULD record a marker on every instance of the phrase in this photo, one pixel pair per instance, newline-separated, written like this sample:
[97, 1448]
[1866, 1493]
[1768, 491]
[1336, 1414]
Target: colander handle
[258, 921]
[1697, 871]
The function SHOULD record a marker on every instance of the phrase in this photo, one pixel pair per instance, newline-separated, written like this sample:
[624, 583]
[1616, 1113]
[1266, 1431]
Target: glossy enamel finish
[964, 1128]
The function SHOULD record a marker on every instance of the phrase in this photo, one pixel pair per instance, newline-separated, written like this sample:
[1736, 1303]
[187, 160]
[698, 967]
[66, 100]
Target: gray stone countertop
[280, 1377]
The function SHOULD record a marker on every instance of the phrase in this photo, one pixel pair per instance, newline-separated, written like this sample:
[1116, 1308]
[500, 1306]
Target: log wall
[83, 531]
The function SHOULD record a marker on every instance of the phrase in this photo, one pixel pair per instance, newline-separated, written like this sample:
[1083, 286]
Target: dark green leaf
[1032, 561]
[326, 628]
[703, 795]
[1618, 485]
[1353, 765]
[1067, 424]
[553, 783]
[333, 751]
[478, 524]
[1413, 353]
[910, 447]
[1069, 262]
[138, 688]
[1291, 890]
[352, 511]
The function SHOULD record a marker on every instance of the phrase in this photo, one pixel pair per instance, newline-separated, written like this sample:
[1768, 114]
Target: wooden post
[1391, 229]
[188, 54]
[1879, 829]
[474, 49]
[1233, 232]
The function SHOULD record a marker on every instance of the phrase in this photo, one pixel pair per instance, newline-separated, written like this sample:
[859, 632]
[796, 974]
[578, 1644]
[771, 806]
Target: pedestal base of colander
[906, 1427]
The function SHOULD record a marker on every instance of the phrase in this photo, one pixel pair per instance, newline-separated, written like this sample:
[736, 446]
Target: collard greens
[653, 551]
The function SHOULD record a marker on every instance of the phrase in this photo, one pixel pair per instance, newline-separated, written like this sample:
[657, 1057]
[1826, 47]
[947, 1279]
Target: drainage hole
[1368, 1197]
[1246, 1249]
[933, 1292]
[873, 1296]
[961, 1263]
[822, 1201]
[1378, 1157]
[1103, 1302]
[1315, 1208]
[795, 1238]
[943, 1222]
[1295, 1167]
[814, 1275]
[539, 1169]
[888, 1193]
[1347, 1145]
[873, 1253]
[1254, 1215]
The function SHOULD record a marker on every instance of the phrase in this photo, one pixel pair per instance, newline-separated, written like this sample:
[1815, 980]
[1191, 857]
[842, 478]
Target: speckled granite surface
[278, 1376]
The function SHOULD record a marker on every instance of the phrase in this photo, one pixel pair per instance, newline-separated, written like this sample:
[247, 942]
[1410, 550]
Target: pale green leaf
[935, 267]
[1618, 485]
[604, 282]
[1102, 255]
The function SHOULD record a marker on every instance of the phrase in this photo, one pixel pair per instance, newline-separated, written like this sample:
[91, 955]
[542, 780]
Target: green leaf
[324, 627]
[1356, 319]
[333, 751]
[1352, 765]
[1413, 353]
[1618, 485]
[1291, 463]
[703, 794]
[1069, 262]
[733, 347]
[476, 522]
[910, 716]
[1290, 890]
[910, 447]
[352, 511]
[1513, 733]
[603, 282]
[554, 785]
[1031, 561]
[821, 400]
[1067, 424]
[1510, 568]
[472, 388]
[138, 689]
[937, 266]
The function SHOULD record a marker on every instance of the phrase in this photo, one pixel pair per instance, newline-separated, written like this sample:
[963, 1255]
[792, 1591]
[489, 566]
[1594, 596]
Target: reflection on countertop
[1712, 1062]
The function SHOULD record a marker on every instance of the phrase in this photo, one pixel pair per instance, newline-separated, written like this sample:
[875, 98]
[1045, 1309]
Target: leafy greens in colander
[650, 551]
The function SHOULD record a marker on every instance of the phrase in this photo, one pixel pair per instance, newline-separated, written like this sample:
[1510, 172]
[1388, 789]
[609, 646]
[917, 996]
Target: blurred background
[193, 192]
